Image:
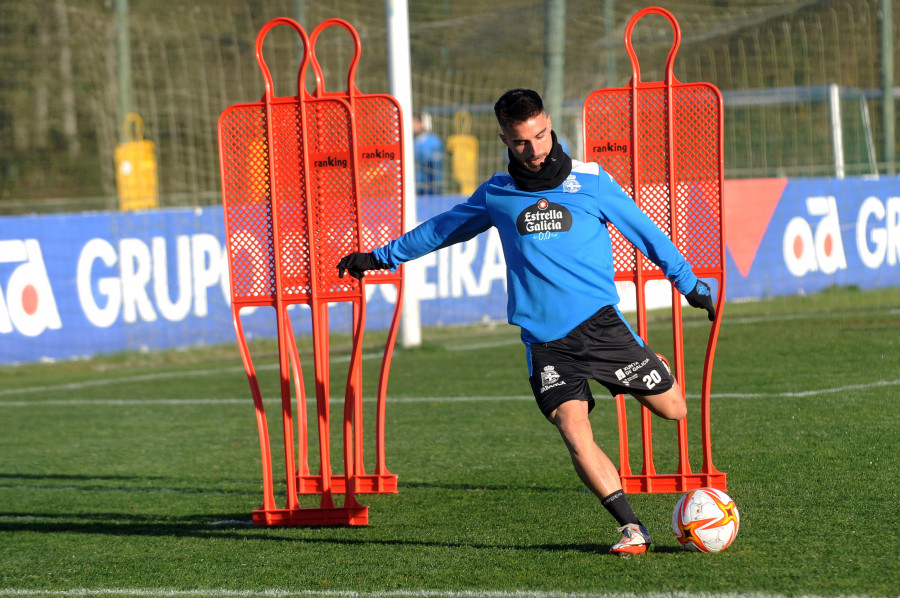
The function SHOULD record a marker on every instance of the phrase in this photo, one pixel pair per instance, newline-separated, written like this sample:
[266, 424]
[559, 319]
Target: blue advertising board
[78, 285]
[785, 237]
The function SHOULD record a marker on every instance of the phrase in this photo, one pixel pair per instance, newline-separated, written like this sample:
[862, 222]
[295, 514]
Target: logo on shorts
[550, 378]
[630, 372]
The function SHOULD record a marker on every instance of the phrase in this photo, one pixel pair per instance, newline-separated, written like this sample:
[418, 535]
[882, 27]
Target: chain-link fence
[72, 69]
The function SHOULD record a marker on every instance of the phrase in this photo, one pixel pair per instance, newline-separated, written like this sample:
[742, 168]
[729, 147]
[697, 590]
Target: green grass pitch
[135, 475]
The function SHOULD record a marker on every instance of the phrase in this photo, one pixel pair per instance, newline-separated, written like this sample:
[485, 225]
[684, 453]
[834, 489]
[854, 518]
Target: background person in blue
[428, 152]
[552, 215]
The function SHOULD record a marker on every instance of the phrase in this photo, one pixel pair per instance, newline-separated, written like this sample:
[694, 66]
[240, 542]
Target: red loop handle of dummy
[670, 61]
[267, 76]
[317, 69]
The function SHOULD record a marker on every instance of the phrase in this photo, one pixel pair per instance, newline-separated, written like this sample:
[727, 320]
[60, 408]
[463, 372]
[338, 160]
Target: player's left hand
[701, 298]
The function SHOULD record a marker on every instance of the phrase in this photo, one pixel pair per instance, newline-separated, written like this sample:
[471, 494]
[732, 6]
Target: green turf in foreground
[114, 477]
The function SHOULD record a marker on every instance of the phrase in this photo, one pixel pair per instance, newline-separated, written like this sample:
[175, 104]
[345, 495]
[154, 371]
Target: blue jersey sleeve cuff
[383, 256]
[686, 283]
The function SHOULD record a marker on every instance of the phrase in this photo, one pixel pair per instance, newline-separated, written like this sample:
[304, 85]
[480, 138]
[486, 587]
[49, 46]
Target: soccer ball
[705, 520]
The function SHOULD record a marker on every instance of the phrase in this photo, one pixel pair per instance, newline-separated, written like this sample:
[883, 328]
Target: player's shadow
[73, 477]
[107, 483]
[236, 526]
[231, 525]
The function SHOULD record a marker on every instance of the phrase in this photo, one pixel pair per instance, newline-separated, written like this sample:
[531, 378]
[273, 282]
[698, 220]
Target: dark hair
[517, 106]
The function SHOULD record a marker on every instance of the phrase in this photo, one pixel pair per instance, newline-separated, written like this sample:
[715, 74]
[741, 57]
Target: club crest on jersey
[544, 217]
[571, 184]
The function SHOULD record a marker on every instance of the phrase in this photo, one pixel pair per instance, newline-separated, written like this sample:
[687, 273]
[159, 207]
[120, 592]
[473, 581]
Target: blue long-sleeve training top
[556, 244]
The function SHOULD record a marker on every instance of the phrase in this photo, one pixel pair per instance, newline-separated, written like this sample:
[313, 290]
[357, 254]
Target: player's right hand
[701, 298]
[357, 263]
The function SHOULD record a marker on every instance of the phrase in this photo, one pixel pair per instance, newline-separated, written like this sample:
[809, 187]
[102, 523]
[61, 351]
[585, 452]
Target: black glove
[357, 263]
[701, 298]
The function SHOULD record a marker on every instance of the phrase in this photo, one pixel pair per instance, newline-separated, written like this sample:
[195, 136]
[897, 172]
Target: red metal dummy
[297, 197]
[663, 143]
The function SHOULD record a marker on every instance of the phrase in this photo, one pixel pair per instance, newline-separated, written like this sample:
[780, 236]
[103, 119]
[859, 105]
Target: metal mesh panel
[293, 241]
[696, 184]
[653, 161]
[697, 163]
[606, 132]
[332, 191]
[248, 215]
[336, 229]
[606, 128]
[380, 172]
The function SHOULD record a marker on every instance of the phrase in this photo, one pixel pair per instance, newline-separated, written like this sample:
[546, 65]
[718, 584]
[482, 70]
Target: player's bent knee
[678, 410]
[673, 403]
[668, 405]
[672, 407]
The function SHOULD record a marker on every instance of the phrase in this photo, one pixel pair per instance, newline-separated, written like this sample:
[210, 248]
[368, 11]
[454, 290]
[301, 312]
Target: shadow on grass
[74, 477]
[113, 483]
[167, 484]
[237, 527]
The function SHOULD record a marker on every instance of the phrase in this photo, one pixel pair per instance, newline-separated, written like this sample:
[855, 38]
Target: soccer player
[552, 214]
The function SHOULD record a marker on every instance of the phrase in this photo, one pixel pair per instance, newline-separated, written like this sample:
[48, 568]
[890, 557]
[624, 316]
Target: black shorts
[602, 348]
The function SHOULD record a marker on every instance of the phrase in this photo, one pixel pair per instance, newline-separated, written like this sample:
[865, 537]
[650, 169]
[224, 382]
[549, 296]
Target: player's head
[525, 127]
[516, 106]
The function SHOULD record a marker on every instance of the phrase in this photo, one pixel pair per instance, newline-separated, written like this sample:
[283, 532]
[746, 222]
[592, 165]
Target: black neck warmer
[553, 172]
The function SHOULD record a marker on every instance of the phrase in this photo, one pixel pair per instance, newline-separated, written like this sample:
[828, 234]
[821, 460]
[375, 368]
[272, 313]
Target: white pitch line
[285, 593]
[161, 376]
[808, 393]
[343, 358]
[310, 401]
[337, 399]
